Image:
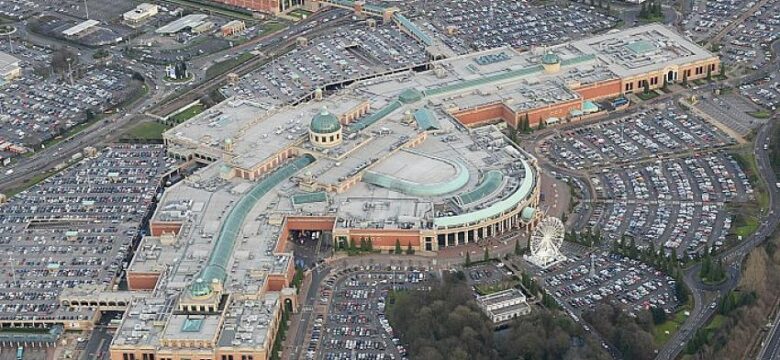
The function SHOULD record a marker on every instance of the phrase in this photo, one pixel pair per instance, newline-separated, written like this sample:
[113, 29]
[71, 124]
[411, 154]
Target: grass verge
[760, 114]
[146, 131]
[647, 95]
[187, 114]
[665, 330]
[226, 65]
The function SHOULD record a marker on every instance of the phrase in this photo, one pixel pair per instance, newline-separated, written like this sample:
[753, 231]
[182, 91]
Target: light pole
[86, 8]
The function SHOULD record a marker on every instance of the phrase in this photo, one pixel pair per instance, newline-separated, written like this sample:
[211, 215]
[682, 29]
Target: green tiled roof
[307, 198]
[522, 193]
[465, 84]
[490, 183]
[366, 121]
[426, 120]
[192, 325]
[216, 268]
[641, 46]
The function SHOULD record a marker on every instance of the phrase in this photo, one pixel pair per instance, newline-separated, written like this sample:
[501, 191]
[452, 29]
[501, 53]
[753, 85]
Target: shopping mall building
[418, 159]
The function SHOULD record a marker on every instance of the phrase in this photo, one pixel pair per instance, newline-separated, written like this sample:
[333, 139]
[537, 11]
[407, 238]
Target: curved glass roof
[528, 213]
[490, 183]
[418, 189]
[522, 192]
[216, 268]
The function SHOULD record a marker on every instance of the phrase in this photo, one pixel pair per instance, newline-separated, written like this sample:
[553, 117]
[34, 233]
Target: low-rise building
[504, 305]
[140, 13]
[9, 67]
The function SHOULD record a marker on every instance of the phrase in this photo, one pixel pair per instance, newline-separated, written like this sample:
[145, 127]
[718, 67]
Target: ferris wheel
[547, 239]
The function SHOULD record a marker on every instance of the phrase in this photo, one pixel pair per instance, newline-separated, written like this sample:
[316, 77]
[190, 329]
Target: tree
[352, 243]
[517, 246]
[643, 11]
[646, 85]
[398, 247]
[370, 244]
[468, 259]
[409, 250]
[685, 78]
[62, 59]
[709, 73]
[486, 257]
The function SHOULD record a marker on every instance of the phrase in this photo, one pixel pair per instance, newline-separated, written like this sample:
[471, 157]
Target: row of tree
[627, 247]
[651, 10]
[712, 270]
[587, 238]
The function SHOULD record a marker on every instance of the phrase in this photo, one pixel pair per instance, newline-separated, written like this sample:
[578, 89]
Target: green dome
[324, 123]
[410, 95]
[550, 59]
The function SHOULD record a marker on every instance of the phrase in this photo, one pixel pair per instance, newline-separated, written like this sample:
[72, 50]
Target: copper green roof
[528, 213]
[325, 123]
[308, 198]
[490, 183]
[426, 120]
[410, 95]
[216, 268]
[550, 59]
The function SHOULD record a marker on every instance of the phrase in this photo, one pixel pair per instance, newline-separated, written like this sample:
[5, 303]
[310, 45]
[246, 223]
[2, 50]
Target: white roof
[73, 30]
[189, 21]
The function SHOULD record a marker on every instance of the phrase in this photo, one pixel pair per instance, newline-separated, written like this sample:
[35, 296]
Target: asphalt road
[301, 340]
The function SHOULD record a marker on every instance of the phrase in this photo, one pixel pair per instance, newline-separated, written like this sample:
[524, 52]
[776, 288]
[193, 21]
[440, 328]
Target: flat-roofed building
[81, 28]
[266, 6]
[9, 67]
[504, 305]
[190, 21]
[141, 12]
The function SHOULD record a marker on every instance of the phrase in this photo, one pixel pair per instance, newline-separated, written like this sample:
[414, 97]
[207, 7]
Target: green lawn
[299, 13]
[147, 131]
[671, 325]
[226, 65]
[272, 26]
[647, 95]
[187, 114]
[212, 8]
[760, 114]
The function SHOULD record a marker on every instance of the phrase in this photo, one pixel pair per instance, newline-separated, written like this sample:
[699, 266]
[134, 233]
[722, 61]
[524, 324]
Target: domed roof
[324, 122]
[410, 95]
[550, 59]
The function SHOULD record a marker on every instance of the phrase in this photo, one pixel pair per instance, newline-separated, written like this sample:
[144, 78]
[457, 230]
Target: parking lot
[75, 228]
[732, 111]
[36, 109]
[351, 323]
[764, 92]
[483, 24]
[634, 284]
[354, 51]
[748, 45]
[644, 135]
[678, 203]
[708, 17]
